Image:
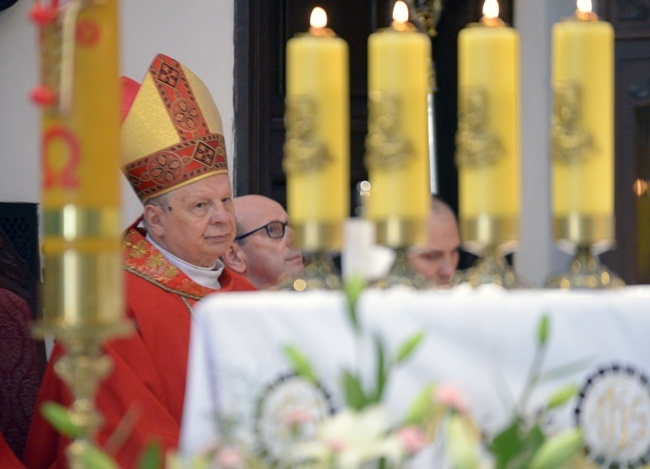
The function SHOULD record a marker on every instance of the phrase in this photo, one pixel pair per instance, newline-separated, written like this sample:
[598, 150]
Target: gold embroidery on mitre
[204, 153]
[165, 168]
[386, 147]
[476, 145]
[303, 152]
[168, 74]
[570, 141]
[185, 114]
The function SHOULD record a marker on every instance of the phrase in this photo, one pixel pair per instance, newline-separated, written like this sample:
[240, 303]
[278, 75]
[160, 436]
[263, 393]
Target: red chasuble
[146, 387]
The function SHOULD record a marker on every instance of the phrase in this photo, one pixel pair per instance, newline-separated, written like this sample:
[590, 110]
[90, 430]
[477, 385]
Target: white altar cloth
[481, 340]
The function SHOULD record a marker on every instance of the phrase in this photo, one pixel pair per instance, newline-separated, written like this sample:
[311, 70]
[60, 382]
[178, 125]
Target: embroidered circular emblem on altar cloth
[287, 413]
[613, 411]
[165, 168]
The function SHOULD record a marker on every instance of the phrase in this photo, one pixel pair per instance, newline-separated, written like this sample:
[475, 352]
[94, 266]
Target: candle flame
[400, 12]
[318, 18]
[491, 9]
[584, 6]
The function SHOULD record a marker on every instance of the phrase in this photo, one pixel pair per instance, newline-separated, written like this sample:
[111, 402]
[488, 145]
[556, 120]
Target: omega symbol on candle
[60, 165]
[571, 142]
[385, 147]
[477, 145]
[302, 151]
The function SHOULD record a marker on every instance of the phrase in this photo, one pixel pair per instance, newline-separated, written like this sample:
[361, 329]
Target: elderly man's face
[196, 222]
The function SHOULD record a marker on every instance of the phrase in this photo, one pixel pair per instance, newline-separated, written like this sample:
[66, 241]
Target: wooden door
[631, 21]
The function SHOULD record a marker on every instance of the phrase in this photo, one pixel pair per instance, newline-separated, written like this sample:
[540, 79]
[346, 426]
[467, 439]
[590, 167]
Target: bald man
[263, 251]
[438, 259]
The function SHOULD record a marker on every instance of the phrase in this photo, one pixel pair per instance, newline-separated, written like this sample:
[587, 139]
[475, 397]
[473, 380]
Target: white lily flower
[352, 438]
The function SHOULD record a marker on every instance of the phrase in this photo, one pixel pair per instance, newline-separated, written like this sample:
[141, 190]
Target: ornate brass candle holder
[317, 241]
[585, 272]
[82, 369]
[402, 274]
[584, 236]
[399, 235]
[490, 238]
[83, 306]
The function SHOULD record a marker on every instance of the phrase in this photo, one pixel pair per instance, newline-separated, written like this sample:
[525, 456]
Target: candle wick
[402, 26]
[492, 21]
[586, 15]
[321, 32]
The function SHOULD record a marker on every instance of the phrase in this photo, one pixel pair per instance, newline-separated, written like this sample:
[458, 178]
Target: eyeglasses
[275, 230]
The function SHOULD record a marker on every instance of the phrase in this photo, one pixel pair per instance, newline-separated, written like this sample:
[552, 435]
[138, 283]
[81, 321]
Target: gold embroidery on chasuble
[141, 258]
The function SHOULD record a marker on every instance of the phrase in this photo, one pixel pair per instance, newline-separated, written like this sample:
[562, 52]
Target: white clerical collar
[205, 276]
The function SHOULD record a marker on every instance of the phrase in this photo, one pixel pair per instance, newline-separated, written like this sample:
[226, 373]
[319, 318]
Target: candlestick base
[320, 274]
[82, 368]
[401, 274]
[490, 268]
[585, 272]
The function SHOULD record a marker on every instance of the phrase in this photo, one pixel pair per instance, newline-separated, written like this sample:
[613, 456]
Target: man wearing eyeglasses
[263, 251]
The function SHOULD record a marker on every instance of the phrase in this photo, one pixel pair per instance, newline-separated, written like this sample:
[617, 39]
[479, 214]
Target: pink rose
[451, 396]
[412, 438]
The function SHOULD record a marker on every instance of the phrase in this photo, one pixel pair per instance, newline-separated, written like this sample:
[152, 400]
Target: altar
[482, 341]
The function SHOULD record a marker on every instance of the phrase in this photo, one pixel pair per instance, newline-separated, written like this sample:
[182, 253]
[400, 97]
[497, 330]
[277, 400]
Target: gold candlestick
[582, 146]
[487, 146]
[397, 145]
[585, 272]
[316, 149]
[82, 278]
[402, 274]
[320, 274]
[491, 268]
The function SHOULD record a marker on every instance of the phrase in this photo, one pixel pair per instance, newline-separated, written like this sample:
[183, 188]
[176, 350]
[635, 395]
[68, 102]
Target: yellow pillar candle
[80, 165]
[317, 147]
[488, 148]
[397, 145]
[582, 143]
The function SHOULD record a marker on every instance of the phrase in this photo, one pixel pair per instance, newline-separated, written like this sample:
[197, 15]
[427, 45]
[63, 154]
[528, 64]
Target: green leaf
[507, 443]
[409, 346]
[354, 395]
[543, 330]
[422, 406]
[59, 418]
[530, 443]
[300, 363]
[151, 457]
[561, 396]
[557, 450]
[382, 370]
[353, 288]
[565, 370]
[94, 458]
